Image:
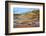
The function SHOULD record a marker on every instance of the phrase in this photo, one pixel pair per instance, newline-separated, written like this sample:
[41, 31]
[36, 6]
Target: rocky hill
[30, 19]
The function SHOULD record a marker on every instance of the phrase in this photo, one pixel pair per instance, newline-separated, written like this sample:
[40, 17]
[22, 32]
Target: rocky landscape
[25, 20]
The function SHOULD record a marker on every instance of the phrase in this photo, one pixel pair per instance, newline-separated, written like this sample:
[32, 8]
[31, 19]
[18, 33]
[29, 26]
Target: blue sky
[19, 10]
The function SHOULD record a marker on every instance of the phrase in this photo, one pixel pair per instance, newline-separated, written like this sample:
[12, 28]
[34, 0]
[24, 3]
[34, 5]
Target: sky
[19, 10]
